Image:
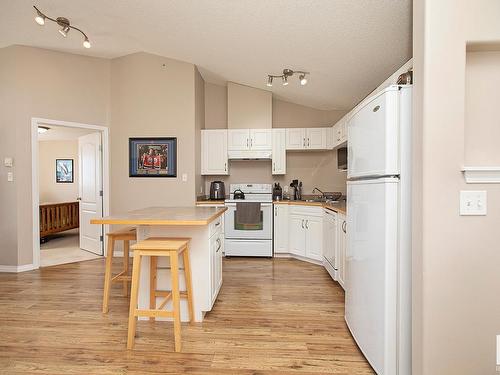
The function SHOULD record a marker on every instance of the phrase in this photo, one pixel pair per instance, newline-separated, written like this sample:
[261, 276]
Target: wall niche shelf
[481, 175]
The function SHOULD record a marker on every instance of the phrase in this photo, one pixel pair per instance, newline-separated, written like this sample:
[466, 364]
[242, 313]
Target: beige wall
[199, 92]
[49, 190]
[48, 84]
[456, 276]
[152, 96]
[248, 107]
[291, 115]
[215, 106]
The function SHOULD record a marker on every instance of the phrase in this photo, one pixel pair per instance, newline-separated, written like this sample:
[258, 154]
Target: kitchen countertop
[208, 201]
[188, 216]
[339, 207]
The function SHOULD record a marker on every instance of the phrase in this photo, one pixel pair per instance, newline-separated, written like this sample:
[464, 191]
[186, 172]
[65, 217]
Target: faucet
[316, 189]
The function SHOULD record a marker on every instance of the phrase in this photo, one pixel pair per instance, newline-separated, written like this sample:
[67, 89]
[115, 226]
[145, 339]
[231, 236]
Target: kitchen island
[205, 227]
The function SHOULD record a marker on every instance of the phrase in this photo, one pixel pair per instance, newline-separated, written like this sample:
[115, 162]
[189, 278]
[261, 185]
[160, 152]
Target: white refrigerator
[378, 261]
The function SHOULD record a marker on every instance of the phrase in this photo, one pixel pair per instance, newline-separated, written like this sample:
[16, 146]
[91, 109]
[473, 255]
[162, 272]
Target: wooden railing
[58, 217]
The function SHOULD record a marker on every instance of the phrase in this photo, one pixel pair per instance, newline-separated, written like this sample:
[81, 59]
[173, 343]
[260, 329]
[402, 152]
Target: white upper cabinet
[261, 139]
[214, 152]
[306, 138]
[249, 139]
[295, 139]
[340, 132]
[316, 138]
[279, 151]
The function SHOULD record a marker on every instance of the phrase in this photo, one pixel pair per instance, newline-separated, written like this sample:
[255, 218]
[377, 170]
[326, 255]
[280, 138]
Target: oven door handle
[262, 204]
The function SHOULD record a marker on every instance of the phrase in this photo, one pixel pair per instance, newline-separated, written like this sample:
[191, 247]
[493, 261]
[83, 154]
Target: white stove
[254, 240]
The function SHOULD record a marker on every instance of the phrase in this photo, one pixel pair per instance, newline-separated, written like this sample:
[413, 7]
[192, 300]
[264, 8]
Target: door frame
[35, 122]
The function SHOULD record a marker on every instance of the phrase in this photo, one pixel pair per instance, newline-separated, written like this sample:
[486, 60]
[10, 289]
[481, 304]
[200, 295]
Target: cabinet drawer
[306, 210]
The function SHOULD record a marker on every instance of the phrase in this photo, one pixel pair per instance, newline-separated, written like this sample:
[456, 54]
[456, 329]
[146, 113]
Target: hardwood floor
[272, 317]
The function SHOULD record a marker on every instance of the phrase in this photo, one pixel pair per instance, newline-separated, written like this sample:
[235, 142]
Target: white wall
[49, 190]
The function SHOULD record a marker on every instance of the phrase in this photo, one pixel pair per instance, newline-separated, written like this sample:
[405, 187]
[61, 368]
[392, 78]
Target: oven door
[263, 231]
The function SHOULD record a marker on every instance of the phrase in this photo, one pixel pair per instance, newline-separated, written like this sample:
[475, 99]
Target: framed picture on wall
[152, 157]
[64, 171]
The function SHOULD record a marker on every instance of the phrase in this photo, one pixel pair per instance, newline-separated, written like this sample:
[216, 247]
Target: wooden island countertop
[187, 216]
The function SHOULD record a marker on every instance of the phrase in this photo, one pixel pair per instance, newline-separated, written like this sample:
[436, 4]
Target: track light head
[284, 80]
[269, 81]
[86, 43]
[40, 18]
[303, 79]
[64, 23]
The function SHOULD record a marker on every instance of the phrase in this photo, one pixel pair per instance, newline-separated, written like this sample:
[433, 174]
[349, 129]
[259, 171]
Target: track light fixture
[63, 22]
[284, 77]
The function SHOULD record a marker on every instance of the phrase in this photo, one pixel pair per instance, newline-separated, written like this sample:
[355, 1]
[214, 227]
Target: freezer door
[371, 270]
[374, 138]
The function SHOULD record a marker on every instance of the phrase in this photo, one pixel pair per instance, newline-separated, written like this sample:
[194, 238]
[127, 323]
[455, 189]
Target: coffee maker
[277, 192]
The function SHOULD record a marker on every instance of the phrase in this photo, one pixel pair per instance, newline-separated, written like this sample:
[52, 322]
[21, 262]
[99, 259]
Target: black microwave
[342, 158]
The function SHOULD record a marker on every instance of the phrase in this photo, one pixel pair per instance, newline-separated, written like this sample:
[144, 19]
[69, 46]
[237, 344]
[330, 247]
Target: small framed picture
[64, 171]
[153, 157]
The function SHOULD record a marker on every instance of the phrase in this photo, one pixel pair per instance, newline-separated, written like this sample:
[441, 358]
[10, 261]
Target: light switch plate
[472, 202]
[184, 177]
[10, 176]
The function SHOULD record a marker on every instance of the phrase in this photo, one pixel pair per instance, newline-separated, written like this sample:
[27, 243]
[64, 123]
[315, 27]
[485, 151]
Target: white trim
[35, 121]
[298, 257]
[481, 175]
[23, 268]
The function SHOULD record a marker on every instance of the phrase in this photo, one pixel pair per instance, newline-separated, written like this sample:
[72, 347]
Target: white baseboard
[23, 268]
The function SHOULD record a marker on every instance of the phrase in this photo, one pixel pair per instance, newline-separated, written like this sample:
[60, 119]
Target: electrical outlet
[8, 162]
[472, 202]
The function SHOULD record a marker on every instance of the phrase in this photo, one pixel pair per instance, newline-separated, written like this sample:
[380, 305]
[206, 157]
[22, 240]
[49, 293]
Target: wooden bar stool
[126, 235]
[161, 247]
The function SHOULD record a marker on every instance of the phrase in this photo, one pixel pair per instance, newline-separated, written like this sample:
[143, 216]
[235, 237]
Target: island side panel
[200, 269]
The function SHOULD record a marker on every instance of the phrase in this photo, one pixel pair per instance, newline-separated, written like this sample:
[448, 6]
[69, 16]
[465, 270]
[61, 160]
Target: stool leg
[189, 285]
[153, 283]
[136, 270]
[174, 268]
[126, 249]
[107, 275]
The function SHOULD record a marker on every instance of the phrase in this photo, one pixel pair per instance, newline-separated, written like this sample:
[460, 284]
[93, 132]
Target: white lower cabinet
[341, 249]
[216, 254]
[306, 232]
[280, 237]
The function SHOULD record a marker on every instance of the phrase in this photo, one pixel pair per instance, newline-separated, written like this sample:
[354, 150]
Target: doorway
[70, 186]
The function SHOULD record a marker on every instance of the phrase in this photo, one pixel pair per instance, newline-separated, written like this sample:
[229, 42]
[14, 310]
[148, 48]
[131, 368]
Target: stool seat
[155, 247]
[126, 235]
[162, 243]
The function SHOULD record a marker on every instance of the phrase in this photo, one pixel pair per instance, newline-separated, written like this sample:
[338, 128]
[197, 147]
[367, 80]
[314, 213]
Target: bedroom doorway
[70, 179]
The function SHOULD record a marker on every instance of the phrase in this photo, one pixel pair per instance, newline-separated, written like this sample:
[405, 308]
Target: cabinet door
[261, 139]
[216, 248]
[344, 131]
[295, 139]
[281, 228]
[341, 249]
[316, 138]
[238, 139]
[279, 151]
[314, 237]
[219, 256]
[297, 238]
[330, 238]
[214, 152]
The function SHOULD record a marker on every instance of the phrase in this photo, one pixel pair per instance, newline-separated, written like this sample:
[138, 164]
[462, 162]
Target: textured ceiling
[349, 46]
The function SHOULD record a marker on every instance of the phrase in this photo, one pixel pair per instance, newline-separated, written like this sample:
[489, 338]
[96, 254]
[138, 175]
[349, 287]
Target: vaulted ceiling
[349, 46]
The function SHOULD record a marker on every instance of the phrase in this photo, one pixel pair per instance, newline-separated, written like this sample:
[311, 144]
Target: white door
[316, 138]
[330, 238]
[297, 237]
[279, 151]
[90, 191]
[372, 272]
[281, 228]
[295, 139]
[261, 139]
[238, 139]
[314, 237]
[374, 137]
[214, 152]
[341, 249]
